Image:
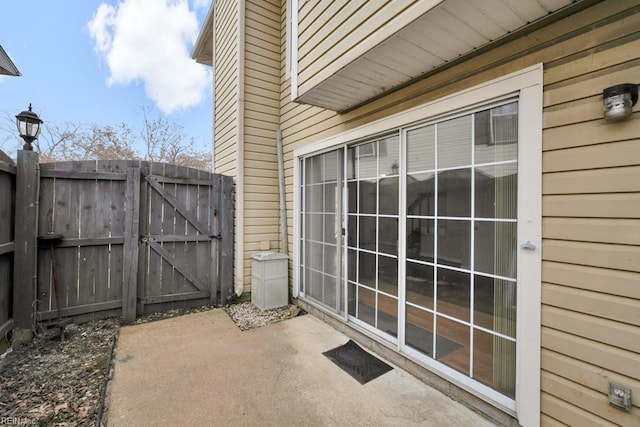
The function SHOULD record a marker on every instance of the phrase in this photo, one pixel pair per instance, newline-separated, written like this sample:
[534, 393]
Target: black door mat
[356, 362]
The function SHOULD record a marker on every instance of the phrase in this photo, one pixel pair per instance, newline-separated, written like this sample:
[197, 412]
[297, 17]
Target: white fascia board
[205, 36]
[7, 67]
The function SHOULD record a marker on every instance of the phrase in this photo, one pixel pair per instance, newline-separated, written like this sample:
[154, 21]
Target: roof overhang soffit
[449, 33]
[203, 48]
[7, 66]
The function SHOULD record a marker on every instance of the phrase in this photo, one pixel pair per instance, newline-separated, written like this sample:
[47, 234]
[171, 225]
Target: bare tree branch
[160, 139]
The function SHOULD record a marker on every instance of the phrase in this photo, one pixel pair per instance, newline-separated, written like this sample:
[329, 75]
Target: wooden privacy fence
[125, 237]
[7, 191]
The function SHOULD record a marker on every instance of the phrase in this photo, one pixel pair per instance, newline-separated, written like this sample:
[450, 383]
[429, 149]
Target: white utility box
[269, 280]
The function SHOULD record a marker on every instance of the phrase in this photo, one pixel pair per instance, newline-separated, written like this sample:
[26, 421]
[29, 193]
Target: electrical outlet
[620, 396]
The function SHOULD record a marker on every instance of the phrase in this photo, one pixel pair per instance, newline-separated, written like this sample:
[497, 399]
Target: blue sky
[89, 61]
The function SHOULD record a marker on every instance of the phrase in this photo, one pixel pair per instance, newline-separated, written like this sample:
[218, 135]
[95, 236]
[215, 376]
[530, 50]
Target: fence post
[214, 214]
[25, 255]
[226, 247]
[131, 242]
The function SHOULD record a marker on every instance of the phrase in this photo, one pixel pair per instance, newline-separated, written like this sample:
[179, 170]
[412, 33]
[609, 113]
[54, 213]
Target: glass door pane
[461, 226]
[373, 188]
[321, 234]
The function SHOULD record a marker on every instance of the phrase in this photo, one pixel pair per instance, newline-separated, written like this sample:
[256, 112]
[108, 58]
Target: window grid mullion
[435, 239]
[472, 243]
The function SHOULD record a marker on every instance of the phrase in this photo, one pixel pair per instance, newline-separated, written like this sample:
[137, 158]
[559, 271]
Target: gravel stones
[248, 316]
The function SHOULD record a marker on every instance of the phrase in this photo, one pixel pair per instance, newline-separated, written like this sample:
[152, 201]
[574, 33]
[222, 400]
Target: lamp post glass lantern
[29, 126]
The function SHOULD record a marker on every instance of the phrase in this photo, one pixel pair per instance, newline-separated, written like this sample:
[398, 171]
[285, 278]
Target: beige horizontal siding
[225, 88]
[623, 362]
[591, 185]
[261, 121]
[567, 414]
[582, 372]
[595, 328]
[598, 230]
[586, 133]
[616, 257]
[602, 280]
[609, 155]
[610, 180]
[590, 401]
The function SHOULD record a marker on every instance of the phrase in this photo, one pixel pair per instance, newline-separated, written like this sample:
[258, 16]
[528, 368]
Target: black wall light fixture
[619, 101]
[29, 126]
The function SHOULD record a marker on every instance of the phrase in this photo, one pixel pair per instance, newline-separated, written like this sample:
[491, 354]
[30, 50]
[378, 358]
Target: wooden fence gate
[126, 238]
[183, 215]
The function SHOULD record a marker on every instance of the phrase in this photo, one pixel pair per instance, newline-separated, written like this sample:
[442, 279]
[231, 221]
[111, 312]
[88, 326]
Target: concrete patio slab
[200, 369]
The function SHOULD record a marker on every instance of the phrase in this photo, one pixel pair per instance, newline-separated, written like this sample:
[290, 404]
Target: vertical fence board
[102, 280]
[104, 220]
[44, 291]
[75, 209]
[7, 205]
[226, 232]
[68, 207]
[116, 269]
[181, 285]
[143, 251]
[88, 260]
[199, 251]
[46, 206]
[168, 227]
[215, 247]
[191, 249]
[66, 258]
[154, 273]
[132, 218]
[191, 204]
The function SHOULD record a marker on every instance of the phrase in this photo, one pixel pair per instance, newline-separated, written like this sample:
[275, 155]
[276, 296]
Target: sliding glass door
[412, 235]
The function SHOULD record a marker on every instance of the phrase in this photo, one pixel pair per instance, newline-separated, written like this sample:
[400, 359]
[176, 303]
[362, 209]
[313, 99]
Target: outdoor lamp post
[29, 125]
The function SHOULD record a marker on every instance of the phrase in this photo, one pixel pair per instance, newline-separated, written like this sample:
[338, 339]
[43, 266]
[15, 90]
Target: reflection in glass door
[320, 269]
[372, 242]
[461, 224]
[450, 274]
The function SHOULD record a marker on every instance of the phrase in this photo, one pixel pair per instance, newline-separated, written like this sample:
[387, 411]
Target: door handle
[528, 246]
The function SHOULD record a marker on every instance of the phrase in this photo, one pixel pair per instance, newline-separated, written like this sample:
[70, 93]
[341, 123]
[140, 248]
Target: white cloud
[149, 41]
